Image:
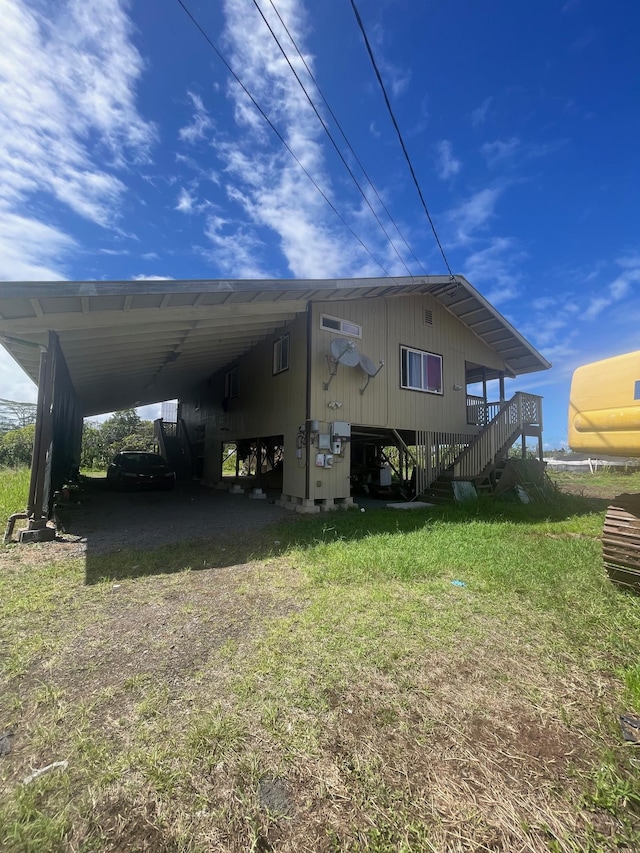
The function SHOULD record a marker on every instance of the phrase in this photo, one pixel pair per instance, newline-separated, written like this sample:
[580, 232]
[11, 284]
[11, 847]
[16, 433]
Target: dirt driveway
[107, 520]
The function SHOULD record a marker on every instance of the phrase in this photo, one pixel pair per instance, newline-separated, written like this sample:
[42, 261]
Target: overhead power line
[395, 124]
[279, 135]
[344, 136]
[333, 142]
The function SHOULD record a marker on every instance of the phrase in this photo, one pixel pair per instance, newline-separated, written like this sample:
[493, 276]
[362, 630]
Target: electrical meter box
[324, 441]
[340, 429]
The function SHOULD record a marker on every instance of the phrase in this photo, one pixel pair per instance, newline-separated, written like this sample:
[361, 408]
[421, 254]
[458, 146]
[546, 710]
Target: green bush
[122, 431]
[16, 447]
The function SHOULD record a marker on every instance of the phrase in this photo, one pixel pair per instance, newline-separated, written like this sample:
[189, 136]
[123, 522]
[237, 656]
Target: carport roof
[135, 342]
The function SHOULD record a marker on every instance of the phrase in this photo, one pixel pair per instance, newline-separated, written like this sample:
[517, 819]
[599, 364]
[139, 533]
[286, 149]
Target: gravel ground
[106, 520]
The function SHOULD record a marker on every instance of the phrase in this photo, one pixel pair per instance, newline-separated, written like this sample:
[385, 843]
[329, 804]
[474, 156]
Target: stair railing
[521, 411]
[158, 436]
[479, 411]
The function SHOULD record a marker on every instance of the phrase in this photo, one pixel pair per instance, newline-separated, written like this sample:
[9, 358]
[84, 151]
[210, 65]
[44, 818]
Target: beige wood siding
[276, 405]
[388, 323]
[266, 405]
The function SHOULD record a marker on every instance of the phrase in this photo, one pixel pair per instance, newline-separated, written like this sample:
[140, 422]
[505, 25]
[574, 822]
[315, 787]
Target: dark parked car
[138, 469]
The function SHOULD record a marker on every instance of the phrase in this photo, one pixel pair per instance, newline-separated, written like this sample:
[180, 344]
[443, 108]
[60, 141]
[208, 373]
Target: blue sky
[127, 151]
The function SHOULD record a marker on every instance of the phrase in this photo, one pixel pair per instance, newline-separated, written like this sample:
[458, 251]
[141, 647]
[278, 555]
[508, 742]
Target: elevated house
[312, 380]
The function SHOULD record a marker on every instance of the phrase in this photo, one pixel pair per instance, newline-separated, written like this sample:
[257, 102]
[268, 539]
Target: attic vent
[428, 317]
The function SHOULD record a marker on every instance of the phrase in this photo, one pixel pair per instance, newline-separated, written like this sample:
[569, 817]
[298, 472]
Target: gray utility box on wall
[340, 429]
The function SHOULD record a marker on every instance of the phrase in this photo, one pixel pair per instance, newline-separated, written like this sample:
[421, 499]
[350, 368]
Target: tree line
[100, 441]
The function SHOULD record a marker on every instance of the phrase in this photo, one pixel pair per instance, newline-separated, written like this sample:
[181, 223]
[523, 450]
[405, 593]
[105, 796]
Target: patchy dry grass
[601, 484]
[325, 687]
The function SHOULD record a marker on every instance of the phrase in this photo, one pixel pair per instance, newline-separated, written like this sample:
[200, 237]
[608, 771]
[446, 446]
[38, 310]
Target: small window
[231, 383]
[344, 327]
[281, 354]
[420, 371]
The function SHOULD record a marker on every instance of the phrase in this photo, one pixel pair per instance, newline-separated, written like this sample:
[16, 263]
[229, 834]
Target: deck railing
[523, 410]
[480, 412]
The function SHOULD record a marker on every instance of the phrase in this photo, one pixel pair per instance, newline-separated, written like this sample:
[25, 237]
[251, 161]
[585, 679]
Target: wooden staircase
[482, 460]
[165, 434]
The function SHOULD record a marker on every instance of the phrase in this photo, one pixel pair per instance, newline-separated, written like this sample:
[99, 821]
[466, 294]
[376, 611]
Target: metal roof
[135, 342]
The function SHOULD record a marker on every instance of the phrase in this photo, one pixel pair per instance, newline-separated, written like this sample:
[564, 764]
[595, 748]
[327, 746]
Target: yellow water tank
[604, 407]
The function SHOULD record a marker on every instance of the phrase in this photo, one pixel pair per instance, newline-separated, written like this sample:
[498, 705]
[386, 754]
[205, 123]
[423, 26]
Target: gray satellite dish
[368, 366]
[345, 352]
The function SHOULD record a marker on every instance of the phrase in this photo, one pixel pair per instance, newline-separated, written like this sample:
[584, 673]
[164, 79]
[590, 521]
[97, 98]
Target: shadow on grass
[257, 530]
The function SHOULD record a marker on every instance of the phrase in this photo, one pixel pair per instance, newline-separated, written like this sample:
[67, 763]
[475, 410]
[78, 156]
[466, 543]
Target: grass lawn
[326, 686]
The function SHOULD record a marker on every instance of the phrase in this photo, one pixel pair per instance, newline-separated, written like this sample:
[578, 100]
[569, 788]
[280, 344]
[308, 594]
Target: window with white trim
[231, 383]
[281, 354]
[420, 371]
[344, 327]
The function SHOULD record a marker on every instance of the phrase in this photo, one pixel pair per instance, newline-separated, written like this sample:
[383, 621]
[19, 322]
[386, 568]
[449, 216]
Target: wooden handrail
[520, 411]
[480, 411]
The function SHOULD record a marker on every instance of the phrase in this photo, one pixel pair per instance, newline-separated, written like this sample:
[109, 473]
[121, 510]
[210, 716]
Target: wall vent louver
[428, 317]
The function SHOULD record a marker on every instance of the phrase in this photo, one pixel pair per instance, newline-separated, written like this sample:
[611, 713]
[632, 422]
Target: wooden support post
[485, 413]
[44, 418]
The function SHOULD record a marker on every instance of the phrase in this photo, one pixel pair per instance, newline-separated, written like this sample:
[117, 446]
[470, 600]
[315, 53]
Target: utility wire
[333, 142]
[395, 124]
[279, 135]
[344, 136]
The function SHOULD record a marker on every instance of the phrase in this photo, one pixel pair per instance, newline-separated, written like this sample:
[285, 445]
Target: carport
[96, 347]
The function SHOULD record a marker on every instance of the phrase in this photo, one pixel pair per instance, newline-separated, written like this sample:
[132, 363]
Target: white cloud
[143, 277]
[185, 201]
[473, 214]
[15, 383]
[501, 152]
[596, 306]
[393, 76]
[498, 151]
[200, 123]
[30, 250]
[265, 186]
[631, 261]
[616, 290]
[398, 78]
[542, 303]
[67, 108]
[235, 247]
[205, 174]
[497, 268]
[559, 323]
[447, 164]
[479, 115]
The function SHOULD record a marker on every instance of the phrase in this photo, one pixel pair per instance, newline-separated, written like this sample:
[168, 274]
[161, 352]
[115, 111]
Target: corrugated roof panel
[61, 305]
[16, 309]
[106, 303]
[217, 298]
[242, 296]
[147, 300]
[181, 300]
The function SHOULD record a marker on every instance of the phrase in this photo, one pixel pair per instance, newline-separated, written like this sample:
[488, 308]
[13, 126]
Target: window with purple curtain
[420, 371]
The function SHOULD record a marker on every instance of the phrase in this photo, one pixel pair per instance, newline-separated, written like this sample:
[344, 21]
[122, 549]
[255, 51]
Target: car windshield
[141, 459]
